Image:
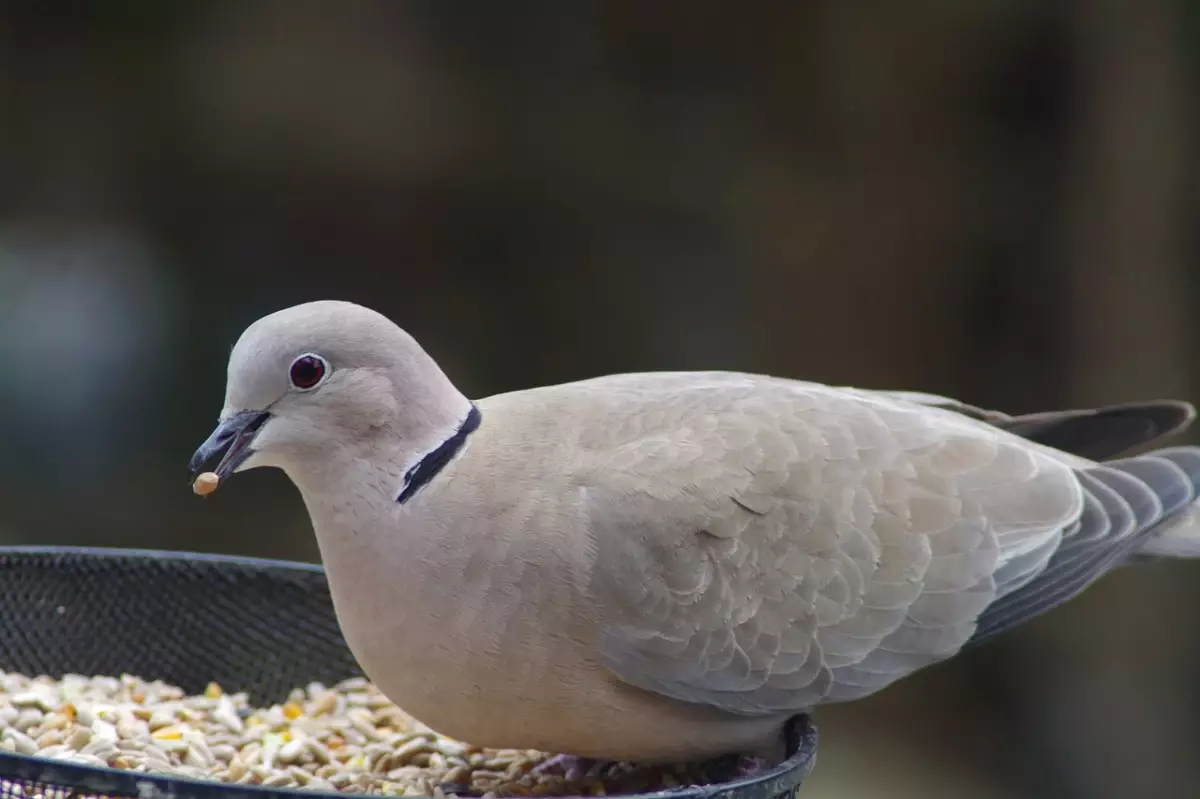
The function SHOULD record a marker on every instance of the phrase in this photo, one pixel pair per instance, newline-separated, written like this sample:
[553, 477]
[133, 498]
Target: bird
[669, 566]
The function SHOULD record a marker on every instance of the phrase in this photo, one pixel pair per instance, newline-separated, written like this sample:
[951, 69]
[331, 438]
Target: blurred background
[992, 200]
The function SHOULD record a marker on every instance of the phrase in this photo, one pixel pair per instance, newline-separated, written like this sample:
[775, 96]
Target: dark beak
[229, 444]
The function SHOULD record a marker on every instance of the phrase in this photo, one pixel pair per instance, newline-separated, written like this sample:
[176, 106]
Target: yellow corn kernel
[171, 733]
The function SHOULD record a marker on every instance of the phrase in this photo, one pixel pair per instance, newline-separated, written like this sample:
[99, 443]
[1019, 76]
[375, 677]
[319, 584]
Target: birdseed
[206, 483]
[347, 738]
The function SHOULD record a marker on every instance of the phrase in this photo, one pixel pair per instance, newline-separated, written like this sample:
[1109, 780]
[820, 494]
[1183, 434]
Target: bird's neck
[373, 547]
[426, 468]
[397, 566]
[362, 499]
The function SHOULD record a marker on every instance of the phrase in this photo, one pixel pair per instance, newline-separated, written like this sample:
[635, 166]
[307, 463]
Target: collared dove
[668, 566]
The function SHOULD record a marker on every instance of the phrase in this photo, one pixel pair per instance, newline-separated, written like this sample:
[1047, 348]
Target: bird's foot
[574, 769]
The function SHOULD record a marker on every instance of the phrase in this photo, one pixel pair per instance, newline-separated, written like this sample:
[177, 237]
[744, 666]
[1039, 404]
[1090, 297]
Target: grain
[206, 483]
[346, 738]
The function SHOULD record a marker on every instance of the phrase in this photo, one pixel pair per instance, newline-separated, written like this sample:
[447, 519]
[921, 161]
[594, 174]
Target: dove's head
[316, 381]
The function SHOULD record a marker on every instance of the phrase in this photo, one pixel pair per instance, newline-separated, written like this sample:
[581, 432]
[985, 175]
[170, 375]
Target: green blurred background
[993, 200]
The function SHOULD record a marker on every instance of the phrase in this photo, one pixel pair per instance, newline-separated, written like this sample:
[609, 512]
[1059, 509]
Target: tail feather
[1186, 458]
[1102, 433]
[1164, 484]
[1131, 507]
[1096, 434]
[1180, 536]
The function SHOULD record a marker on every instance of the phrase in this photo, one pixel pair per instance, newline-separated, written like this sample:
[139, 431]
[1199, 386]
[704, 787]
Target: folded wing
[764, 547]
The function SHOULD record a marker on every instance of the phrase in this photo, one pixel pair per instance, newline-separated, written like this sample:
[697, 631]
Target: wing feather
[767, 546]
[1125, 502]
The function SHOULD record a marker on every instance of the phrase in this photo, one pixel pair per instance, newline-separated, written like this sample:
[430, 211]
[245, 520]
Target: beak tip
[227, 447]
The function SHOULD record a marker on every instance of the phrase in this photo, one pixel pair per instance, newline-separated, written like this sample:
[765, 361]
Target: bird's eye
[307, 371]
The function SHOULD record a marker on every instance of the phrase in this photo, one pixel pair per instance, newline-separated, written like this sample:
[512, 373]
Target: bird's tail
[1135, 509]
[1181, 540]
[1178, 536]
[1095, 438]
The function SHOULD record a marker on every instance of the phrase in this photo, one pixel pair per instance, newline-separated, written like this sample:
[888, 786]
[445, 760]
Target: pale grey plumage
[669, 564]
[876, 535]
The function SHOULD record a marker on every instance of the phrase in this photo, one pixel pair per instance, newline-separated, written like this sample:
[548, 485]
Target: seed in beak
[206, 483]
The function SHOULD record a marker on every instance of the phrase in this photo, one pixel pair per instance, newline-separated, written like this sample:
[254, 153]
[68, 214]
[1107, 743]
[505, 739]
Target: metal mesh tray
[259, 626]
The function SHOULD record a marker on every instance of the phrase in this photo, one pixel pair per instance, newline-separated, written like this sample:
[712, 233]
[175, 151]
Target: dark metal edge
[163, 555]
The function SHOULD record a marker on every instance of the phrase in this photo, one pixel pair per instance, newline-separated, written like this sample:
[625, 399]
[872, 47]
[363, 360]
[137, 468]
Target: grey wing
[1125, 502]
[1129, 503]
[768, 551]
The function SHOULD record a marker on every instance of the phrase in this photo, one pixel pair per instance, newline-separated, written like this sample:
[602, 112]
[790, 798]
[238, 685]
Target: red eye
[307, 371]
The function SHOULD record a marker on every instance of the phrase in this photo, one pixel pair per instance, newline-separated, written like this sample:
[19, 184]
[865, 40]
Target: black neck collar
[432, 464]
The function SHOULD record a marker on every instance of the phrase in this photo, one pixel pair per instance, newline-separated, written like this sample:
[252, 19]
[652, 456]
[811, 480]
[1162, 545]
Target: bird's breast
[470, 638]
[486, 633]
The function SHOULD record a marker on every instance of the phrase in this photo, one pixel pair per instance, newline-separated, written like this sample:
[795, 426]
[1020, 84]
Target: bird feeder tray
[262, 627]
